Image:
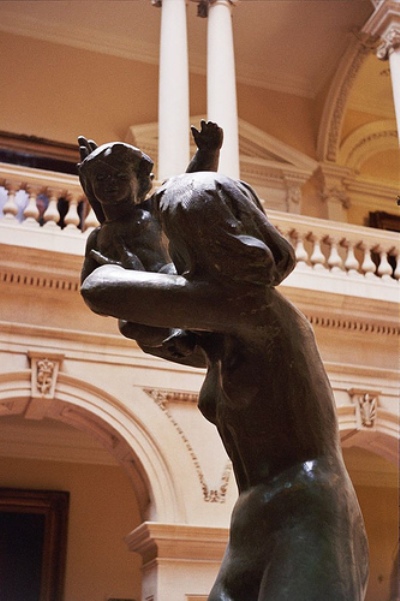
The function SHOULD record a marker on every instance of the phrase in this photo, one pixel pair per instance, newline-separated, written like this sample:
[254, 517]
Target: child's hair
[121, 156]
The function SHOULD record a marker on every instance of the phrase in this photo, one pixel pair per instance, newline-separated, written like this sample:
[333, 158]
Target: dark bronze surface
[297, 533]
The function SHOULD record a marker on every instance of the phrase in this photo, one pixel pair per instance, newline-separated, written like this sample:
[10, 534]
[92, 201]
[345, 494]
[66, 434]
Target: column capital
[203, 6]
[385, 24]
[390, 42]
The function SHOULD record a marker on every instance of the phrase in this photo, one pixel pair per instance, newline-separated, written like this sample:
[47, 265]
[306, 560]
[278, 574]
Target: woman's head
[115, 172]
[217, 228]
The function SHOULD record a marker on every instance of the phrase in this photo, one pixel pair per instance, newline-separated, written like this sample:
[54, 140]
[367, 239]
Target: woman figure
[296, 533]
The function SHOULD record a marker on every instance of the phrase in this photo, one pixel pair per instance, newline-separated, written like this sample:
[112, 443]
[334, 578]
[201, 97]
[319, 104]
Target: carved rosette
[366, 403]
[44, 373]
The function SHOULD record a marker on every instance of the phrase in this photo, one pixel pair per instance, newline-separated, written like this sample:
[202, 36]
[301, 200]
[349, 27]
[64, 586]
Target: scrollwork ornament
[390, 43]
[44, 376]
[368, 404]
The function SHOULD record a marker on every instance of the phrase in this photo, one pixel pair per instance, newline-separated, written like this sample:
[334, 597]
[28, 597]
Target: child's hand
[210, 136]
[85, 147]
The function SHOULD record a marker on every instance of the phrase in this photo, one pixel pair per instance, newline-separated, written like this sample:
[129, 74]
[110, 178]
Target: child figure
[116, 178]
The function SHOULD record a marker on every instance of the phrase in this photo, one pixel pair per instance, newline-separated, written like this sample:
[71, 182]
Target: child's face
[112, 185]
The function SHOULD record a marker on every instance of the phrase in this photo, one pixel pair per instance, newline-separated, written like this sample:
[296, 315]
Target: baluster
[90, 221]
[300, 251]
[10, 209]
[396, 272]
[31, 212]
[368, 266]
[334, 260]
[351, 264]
[317, 256]
[384, 268]
[72, 218]
[51, 215]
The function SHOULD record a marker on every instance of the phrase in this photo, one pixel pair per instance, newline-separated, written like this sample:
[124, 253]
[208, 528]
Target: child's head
[114, 170]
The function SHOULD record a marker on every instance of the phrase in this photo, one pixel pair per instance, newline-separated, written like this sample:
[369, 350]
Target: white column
[390, 49]
[385, 22]
[221, 83]
[173, 109]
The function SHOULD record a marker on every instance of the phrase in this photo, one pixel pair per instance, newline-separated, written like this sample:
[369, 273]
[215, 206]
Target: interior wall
[103, 510]
[380, 507]
[85, 93]
[101, 96]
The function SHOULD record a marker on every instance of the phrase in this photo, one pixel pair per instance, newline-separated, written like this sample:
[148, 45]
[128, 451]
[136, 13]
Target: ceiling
[300, 41]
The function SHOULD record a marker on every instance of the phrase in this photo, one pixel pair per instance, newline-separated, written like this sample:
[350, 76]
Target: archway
[121, 432]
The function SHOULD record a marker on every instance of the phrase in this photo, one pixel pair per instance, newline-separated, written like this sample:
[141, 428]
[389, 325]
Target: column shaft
[221, 83]
[394, 60]
[173, 111]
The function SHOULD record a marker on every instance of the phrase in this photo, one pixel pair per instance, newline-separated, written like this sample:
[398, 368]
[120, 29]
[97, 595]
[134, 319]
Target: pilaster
[179, 561]
[334, 190]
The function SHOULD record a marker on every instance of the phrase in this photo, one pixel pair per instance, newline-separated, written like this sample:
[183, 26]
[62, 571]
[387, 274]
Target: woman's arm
[169, 301]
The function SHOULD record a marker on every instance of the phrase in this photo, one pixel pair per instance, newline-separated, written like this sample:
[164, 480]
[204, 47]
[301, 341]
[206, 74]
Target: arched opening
[103, 508]
[82, 442]
[372, 459]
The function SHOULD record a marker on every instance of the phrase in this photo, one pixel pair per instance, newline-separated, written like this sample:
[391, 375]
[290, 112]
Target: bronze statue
[296, 533]
[116, 178]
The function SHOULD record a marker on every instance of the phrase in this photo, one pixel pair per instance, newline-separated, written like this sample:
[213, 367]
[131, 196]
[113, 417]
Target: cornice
[172, 541]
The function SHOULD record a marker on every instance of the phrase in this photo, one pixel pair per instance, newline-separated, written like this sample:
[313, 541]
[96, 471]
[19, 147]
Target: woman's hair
[121, 156]
[217, 228]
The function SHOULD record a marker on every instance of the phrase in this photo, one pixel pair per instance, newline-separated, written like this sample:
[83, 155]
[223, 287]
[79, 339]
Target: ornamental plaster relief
[162, 398]
[337, 97]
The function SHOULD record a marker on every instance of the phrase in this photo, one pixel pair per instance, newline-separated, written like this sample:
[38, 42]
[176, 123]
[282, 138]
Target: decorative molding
[177, 541]
[385, 23]
[44, 374]
[341, 85]
[366, 141]
[390, 43]
[45, 368]
[39, 281]
[162, 398]
[355, 325]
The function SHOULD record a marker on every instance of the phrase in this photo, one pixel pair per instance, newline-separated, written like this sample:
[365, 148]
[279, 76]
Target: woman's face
[112, 185]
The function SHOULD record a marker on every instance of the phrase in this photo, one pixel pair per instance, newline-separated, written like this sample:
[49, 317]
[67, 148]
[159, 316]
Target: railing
[36, 198]
[357, 251]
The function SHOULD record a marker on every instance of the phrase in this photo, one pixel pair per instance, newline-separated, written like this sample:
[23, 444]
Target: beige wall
[380, 510]
[100, 96]
[62, 92]
[102, 511]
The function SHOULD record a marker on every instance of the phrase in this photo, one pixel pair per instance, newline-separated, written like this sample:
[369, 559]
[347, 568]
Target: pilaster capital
[385, 23]
[333, 181]
[390, 43]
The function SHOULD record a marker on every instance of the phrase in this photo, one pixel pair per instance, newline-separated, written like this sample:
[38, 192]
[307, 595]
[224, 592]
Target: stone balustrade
[34, 198]
[357, 251]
